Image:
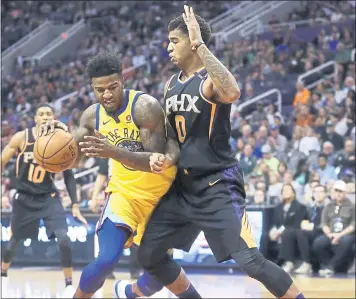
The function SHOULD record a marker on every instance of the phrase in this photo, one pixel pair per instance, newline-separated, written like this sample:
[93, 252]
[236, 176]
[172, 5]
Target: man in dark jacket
[287, 218]
[310, 229]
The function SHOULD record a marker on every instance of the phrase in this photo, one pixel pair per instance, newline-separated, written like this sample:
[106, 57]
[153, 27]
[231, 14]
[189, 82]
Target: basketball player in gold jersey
[127, 126]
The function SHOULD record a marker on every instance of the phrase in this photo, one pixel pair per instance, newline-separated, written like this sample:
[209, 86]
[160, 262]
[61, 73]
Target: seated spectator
[287, 218]
[274, 188]
[273, 112]
[283, 129]
[325, 170]
[247, 160]
[334, 246]
[332, 136]
[261, 136]
[259, 198]
[309, 142]
[345, 159]
[310, 229]
[278, 142]
[258, 115]
[282, 168]
[303, 116]
[302, 174]
[268, 159]
[328, 150]
[302, 96]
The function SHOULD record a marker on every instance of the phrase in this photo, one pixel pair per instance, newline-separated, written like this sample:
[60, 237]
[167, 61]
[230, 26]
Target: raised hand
[49, 127]
[193, 27]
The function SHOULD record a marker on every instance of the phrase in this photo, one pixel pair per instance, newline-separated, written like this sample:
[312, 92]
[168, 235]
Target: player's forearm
[224, 82]
[172, 152]
[348, 230]
[70, 183]
[137, 160]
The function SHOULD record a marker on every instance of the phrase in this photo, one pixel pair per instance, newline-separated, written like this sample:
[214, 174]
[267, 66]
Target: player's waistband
[20, 194]
[191, 172]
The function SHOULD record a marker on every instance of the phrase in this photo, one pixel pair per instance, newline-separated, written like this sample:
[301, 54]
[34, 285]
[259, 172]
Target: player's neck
[192, 67]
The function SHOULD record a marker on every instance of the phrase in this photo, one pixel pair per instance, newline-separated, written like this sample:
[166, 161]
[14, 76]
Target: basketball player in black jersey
[208, 193]
[37, 198]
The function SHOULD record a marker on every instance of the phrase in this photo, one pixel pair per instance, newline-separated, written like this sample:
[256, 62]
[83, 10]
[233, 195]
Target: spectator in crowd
[309, 143]
[345, 159]
[258, 115]
[310, 229]
[302, 96]
[325, 170]
[259, 198]
[328, 150]
[302, 174]
[274, 188]
[303, 116]
[273, 112]
[338, 225]
[287, 218]
[278, 142]
[332, 136]
[271, 162]
[283, 129]
[247, 160]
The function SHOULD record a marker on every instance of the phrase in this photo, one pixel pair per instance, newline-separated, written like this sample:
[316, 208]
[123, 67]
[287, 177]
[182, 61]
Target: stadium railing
[319, 74]
[261, 97]
[237, 12]
[256, 19]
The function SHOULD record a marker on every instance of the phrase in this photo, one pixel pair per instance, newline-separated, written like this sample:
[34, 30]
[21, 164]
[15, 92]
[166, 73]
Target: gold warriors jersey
[123, 132]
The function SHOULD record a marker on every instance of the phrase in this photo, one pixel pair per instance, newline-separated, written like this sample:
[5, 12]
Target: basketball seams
[57, 150]
[42, 159]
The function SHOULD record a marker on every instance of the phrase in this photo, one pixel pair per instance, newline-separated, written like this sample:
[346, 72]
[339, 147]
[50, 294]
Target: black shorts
[28, 210]
[214, 204]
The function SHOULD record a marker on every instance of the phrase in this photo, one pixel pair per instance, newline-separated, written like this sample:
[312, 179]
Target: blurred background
[294, 124]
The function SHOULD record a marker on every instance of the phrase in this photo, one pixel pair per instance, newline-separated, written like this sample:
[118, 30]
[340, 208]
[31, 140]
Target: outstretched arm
[15, 144]
[150, 120]
[220, 84]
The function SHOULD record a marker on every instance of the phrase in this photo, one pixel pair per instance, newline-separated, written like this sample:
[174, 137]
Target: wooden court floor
[48, 283]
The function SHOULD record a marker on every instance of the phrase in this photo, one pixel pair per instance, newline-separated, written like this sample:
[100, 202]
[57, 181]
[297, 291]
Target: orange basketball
[56, 151]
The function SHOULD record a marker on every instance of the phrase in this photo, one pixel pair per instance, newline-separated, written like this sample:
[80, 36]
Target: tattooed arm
[220, 84]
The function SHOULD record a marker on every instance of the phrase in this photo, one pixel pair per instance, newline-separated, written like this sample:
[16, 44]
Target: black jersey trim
[140, 93]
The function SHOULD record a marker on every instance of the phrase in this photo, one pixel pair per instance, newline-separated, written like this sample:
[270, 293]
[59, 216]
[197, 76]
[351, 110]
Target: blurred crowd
[302, 156]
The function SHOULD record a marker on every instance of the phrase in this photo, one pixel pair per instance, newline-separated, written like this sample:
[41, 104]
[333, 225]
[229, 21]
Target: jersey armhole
[201, 92]
[137, 95]
[25, 142]
[97, 116]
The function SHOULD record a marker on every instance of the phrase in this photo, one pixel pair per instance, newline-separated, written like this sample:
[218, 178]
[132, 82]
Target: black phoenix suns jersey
[31, 178]
[202, 126]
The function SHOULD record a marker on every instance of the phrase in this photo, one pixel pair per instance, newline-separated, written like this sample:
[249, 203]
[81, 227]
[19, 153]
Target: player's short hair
[43, 106]
[178, 23]
[104, 64]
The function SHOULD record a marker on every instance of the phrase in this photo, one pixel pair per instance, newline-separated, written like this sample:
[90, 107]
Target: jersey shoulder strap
[31, 137]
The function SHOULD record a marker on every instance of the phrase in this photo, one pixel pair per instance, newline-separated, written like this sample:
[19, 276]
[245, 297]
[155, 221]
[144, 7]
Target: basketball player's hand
[49, 127]
[97, 146]
[193, 26]
[76, 213]
[157, 163]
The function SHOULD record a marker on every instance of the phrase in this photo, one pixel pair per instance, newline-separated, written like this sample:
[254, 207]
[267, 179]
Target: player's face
[108, 91]
[179, 47]
[43, 115]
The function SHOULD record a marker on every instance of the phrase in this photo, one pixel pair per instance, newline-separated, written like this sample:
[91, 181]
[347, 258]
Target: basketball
[56, 151]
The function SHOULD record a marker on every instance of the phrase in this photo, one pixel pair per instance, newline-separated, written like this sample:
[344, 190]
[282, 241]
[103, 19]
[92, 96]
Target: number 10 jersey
[202, 126]
[31, 178]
